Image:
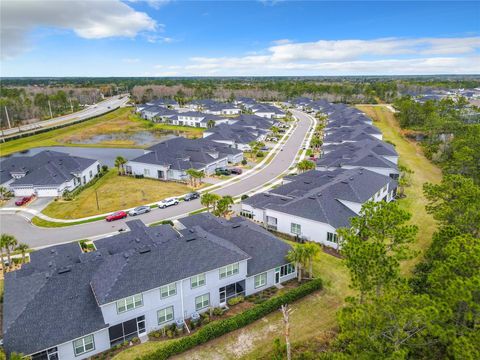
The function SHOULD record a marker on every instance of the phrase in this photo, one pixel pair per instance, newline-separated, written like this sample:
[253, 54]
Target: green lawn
[114, 193]
[411, 155]
[120, 121]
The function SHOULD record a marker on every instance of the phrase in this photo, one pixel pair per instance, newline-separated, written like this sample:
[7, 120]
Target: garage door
[19, 192]
[44, 192]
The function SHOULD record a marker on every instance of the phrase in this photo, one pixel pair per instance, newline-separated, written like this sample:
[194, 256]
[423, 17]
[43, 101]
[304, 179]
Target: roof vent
[312, 197]
[319, 194]
[64, 270]
[235, 226]
[144, 250]
[344, 182]
[125, 256]
[191, 238]
[351, 178]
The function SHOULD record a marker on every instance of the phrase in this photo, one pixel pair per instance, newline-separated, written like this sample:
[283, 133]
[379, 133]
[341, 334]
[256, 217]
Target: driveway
[40, 237]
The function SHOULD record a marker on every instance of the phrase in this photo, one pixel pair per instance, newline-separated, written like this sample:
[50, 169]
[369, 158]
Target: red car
[116, 216]
[23, 200]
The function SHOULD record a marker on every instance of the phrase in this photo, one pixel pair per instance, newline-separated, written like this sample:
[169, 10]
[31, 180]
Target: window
[296, 229]
[83, 345]
[202, 301]
[168, 290]
[286, 270]
[197, 281]
[229, 270]
[260, 280]
[91, 174]
[332, 237]
[129, 303]
[165, 315]
[146, 172]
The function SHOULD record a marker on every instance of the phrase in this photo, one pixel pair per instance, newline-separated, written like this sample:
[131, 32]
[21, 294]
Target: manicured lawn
[114, 193]
[120, 121]
[411, 155]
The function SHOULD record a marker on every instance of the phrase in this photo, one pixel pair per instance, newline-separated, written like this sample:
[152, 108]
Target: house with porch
[76, 304]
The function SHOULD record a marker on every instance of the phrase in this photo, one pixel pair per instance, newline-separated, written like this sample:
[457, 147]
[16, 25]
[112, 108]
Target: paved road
[91, 111]
[39, 237]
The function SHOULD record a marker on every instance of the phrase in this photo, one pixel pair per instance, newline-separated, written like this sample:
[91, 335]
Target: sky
[238, 38]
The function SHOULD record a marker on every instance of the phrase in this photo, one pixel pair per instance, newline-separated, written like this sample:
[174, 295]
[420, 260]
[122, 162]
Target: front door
[277, 275]
[223, 296]
[161, 174]
[141, 325]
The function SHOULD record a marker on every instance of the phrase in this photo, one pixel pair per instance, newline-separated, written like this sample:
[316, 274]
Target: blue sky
[218, 38]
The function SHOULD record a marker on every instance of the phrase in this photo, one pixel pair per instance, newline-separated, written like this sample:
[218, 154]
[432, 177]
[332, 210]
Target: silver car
[139, 210]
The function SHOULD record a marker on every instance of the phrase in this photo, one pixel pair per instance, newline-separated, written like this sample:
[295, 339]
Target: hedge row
[222, 327]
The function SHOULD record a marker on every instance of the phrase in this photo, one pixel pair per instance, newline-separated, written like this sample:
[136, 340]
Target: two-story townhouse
[197, 119]
[222, 109]
[268, 111]
[235, 136]
[169, 160]
[77, 304]
[157, 113]
[48, 173]
[377, 147]
[314, 204]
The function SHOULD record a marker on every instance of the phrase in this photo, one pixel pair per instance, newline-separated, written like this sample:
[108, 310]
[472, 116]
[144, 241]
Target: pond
[106, 156]
[140, 138]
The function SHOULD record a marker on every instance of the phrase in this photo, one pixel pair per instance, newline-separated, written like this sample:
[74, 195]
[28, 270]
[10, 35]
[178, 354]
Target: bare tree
[286, 321]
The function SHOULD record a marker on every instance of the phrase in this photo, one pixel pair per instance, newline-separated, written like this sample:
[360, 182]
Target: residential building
[268, 111]
[66, 304]
[169, 160]
[235, 136]
[313, 205]
[197, 119]
[48, 173]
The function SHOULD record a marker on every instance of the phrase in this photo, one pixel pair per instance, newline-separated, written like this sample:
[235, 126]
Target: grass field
[120, 121]
[411, 156]
[114, 193]
[256, 340]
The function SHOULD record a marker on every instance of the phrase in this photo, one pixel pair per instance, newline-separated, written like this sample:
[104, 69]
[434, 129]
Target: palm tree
[210, 124]
[209, 200]
[311, 251]
[23, 248]
[223, 206]
[305, 165]
[4, 193]
[119, 162]
[297, 256]
[195, 175]
[8, 242]
[316, 142]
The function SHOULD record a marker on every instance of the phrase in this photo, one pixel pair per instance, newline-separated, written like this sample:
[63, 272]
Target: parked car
[23, 200]
[192, 196]
[222, 171]
[116, 216]
[167, 202]
[236, 171]
[139, 210]
[265, 148]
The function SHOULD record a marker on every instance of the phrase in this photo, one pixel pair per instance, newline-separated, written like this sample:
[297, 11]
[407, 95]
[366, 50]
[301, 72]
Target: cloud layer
[94, 19]
[332, 57]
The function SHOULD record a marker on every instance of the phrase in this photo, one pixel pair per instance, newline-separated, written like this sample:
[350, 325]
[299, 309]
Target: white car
[167, 202]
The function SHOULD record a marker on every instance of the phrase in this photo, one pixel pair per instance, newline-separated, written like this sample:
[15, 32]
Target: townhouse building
[169, 160]
[313, 205]
[66, 304]
[46, 174]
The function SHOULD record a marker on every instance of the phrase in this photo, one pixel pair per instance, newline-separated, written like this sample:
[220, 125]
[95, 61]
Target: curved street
[37, 237]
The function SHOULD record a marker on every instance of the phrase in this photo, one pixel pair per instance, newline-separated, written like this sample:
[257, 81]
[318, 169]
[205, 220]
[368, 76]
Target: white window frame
[167, 316]
[169, 291]
[286, 269]
[129, 303]
[295, 228]
[146, 172]
[83, 345]
[260, 280]
[198, 280]
[203, 303]
[332, 237]
[229, 270]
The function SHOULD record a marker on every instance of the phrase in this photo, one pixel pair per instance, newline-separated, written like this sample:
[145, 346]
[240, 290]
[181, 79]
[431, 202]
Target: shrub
[235, 300]
[167, 222]
[221, 327]
[244, 162]
[260, 154]
[217, 311]
[243, 197]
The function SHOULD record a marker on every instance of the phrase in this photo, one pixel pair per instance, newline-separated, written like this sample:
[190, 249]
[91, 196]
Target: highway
[37, 237]
[90, 111]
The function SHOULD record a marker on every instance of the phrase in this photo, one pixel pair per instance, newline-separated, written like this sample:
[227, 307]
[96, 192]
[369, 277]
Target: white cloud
[157, 39]
[94, 19]
[131, 60]
[330, 57]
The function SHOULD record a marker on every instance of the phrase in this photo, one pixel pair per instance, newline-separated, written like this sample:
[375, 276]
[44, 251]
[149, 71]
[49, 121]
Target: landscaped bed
[114, 192]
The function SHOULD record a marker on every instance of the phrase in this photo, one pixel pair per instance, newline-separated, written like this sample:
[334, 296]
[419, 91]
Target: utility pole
[50, 108]
[8, 118]
[96, 198]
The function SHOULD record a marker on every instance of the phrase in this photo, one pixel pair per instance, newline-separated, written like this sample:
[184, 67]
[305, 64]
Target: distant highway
[90, 111]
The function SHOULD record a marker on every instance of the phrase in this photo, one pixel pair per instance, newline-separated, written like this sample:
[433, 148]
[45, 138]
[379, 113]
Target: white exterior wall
[258, 214]
[100, 338]
[310, 230]
[381, 171]
[250, 281]
[139, 169]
